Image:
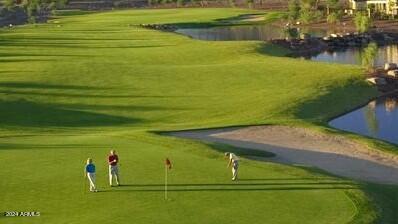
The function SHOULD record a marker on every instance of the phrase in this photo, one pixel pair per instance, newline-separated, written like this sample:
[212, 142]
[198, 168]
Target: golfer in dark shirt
[113, 161]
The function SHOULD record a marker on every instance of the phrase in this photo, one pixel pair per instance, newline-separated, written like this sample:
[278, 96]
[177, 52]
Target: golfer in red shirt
[113, 160]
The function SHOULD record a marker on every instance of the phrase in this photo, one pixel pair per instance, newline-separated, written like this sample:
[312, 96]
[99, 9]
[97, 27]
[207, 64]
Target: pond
[248, 32]
[378, 119]
[268, 32]
[385, 54]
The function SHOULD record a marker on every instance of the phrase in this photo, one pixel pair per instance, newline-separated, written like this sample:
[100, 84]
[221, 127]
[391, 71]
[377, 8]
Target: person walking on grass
[233, 161]
[90, 173]
[113, 161]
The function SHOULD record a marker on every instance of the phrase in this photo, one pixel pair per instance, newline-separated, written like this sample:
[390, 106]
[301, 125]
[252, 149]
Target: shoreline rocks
[385, 79]
[334, 42]
[161, 27]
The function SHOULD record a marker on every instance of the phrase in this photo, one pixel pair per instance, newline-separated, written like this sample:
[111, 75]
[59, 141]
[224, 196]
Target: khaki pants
[113, 173]
[235, 166]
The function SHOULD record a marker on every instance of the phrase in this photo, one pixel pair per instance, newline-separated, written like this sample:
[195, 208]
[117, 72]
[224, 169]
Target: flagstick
[165, 183]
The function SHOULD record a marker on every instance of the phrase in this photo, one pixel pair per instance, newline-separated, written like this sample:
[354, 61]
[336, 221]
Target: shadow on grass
[85, 95]
[272, 50]
[338, 99]
[78, 45]
[244, 152]
[4, 55]
[33, 85]
[292, 179]
[36, 114]
[236, 186]
[238, 20]
[30, 114]
[238, 183]
[55, 90]
[90, 39]
[386, 197]
[46, 146]
[2, 60]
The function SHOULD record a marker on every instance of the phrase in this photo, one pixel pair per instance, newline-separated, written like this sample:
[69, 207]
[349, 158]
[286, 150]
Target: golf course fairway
[80, 85]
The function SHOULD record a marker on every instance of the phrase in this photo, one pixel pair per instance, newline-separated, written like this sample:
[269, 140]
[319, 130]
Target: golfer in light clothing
[234, 161]
[90, 173]
[113, 160]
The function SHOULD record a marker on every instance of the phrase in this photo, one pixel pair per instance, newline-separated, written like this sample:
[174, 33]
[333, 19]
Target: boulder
[390, 66]
[393, 73]
[377, 81]
[305, 36]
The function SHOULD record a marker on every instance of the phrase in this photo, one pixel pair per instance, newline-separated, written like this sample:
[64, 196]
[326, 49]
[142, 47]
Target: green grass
[81, 84]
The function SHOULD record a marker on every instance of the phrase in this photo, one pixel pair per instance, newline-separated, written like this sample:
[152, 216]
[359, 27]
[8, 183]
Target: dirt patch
[299, 146]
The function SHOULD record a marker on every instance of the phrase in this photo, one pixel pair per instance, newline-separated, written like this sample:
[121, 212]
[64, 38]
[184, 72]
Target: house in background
[386, 7]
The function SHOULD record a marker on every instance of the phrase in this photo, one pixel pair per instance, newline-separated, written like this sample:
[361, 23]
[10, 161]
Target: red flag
[168, 163]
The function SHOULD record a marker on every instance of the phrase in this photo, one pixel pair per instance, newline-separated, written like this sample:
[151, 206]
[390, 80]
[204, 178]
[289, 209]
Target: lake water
[249, 32]
[269, 32]
[378, 119]
[353, 56]
[256, 32]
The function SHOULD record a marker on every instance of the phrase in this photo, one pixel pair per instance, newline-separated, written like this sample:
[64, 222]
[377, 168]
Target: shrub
[334, 17]
[362, 22]
[368, 56]
[307, 16]
[10, 4]
[179, 3]
[293, 10]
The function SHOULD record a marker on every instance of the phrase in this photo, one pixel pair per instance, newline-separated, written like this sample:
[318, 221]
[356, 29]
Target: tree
[291, 33]
[250, 3]
[308, 4]
[309, 11]
[10, 4]
[334, 17]
[362, 22]
[307, 15]
[293, 10]
[369, 56]
[179, 3]
[391, 4]
[332, 4]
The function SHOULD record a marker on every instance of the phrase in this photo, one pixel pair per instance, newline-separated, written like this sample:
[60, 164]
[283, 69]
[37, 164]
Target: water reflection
[354, 56]
[269, 32]
[371, 118]
[259, 32]
[378, 119]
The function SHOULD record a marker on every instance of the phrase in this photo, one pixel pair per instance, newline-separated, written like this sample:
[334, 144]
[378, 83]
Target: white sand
[334, 154]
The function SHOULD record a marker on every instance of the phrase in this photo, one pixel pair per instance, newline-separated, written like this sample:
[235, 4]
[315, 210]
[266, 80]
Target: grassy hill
[80, 85]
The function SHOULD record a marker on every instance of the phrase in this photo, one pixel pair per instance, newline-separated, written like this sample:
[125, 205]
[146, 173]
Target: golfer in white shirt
[233, 161]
